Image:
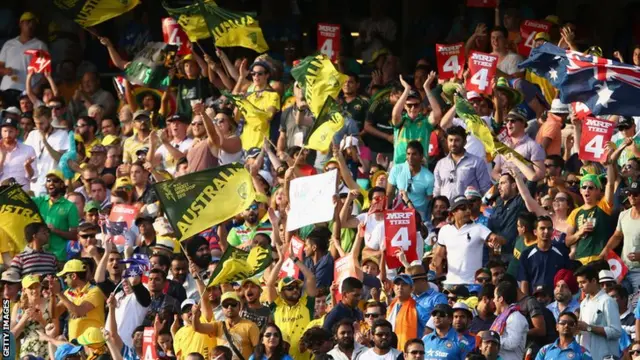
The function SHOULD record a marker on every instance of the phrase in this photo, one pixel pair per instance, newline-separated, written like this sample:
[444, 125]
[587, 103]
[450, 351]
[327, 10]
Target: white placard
[311, 200]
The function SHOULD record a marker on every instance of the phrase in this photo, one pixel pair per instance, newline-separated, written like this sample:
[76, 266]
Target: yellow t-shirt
[254, 129]
[95, 317]
[245, 336]
[188, 340]
[130, 146]
[293, 321]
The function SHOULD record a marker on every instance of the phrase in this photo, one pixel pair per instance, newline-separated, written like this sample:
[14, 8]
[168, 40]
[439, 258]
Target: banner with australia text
[237, 264]
[17, 210]
[150, 67]
[89, 13]
[200, 200]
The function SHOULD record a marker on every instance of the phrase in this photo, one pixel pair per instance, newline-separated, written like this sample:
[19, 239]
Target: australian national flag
[607, 87]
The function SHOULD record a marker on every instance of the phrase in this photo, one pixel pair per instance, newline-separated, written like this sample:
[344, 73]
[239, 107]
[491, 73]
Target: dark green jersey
[591, 244]
[519, 247]
[357, 109]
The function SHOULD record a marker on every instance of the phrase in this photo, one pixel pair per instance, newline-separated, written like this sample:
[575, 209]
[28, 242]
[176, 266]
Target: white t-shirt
[12, 55]
[168, 162]
[509, 64]
[129, 315]
[14, 165]
[464, 251]
[59, 141]
[368, 229]
[371, 355]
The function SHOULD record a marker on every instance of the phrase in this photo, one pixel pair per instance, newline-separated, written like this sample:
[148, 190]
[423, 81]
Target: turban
[567, 276]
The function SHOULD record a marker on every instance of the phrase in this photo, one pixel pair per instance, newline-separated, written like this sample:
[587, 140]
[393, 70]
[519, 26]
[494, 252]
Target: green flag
[328, 123]
[150, 67]
[89, 13]
[319, 80]
[228, 28]
[200, 200]
[17, 210]
[236, 265]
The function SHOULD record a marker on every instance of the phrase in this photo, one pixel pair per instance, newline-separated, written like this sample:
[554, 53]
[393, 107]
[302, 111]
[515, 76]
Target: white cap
[12, 110]
[266, 176]
[473, 95]
[187, 302]
[606, 276]
[349, 141]
[558, 107]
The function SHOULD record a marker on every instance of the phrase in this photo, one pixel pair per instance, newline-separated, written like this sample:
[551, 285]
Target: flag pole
[198, 274]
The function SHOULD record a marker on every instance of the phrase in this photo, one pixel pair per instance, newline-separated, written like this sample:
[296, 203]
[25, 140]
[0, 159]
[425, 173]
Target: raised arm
[272, 280]
[346, 219]
[529, 201]
[436, 110]
[228, 66]
[309, 278]
[398, 108]
[113, 53]
[345, 173]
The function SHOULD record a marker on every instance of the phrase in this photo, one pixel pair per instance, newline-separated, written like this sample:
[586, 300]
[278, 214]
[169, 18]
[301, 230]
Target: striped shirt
[31, 262]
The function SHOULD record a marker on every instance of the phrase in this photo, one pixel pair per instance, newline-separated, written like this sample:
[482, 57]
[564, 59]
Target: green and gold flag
[228, 28]
[17, 210]
[200, 200]
[89, 13]
[150, 67]
[236, 265]
[325, 127]
[250, 111]
[319, 80]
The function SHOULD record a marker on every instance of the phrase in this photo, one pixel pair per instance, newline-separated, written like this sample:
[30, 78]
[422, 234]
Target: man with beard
[252, 309]
[503, 220]
[382, 335]
[60, 214]
[241, 236]
[347, 308]
[175, 144]
[346, 347]
[565, 286]
[179, 272]
[444, 341]
[352, 103]
[462, 316]
[292, 308]
[16, 158]
[170, 287]
[87, 127]
[199, 254]
[140, 138]
[83, 301]
[566, 346]
[160, 302]
[414, 350]
[48, 143]
[485, 310]
[459, 169]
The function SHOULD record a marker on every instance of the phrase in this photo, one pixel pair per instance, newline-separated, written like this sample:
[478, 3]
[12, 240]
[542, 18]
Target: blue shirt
[323, 270]
[573, 352]
[339, 312]
[418, 187]
[468, 340]
[449, 347]
[539, 267]
[429, 299]
[572, 307]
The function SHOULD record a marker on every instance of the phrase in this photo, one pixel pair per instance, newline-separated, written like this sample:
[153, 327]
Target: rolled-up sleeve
[613, 327]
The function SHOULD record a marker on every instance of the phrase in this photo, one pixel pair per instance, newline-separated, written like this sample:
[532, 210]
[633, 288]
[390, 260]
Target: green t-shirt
[418, 129]
[243, 233]
[357, 108]
[628, 152]
[379, 116]
[589, 246]
[191, 89]
[518, 249]
[63, 215]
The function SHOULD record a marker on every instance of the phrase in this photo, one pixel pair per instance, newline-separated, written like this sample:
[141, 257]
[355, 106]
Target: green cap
[92, 205]
[595, 179]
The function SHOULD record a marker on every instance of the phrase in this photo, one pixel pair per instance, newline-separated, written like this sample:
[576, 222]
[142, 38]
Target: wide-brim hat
[513, 96]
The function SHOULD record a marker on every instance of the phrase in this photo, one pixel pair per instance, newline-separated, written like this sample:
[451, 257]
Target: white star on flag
[604, 95]
[553, 74]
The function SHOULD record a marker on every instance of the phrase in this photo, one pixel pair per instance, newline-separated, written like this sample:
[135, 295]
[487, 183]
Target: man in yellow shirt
[83, 301]
[238, 334]
[185, 339]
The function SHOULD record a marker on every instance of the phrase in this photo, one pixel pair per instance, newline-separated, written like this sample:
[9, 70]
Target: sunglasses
[87, 236]
[411, 106]
[199, 123]
[439, 314]
[550, 165]
[230, 305]
[270, 335]
[483, 279]
[572, 182]
[371, 315]
[290, 288]
[587, 187]
[257, 73]
[634, 352]
[568, 323]
[416, 352]
[560, 199]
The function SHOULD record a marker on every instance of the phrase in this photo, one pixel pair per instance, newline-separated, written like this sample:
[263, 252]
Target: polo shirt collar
[425, 294]
[451, 335]
[572, 346]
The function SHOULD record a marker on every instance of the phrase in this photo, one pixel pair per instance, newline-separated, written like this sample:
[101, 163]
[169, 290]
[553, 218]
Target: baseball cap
[252, 281]
[286, 281]
[445, 308]
[634, 188]
[464, 307]
[625, 122]
[65, 350]
[459, 291]
[57, 173]
[122, 182]
[72, 266]
[187, 302]
[558, 107]
[26, 16]
[179, 117]
[542, 289]
[405, 278]
[472, 192]
[472, 95]
[9, 122]
[414, 94]
[141, 113]
[10, 276]
[606, 276]
[92, 205]
[491, 335]
[91, 336]
[542, 36]
[517, 114]
[12, 110]
[229, 295]
[457, 202]
[30, 280]
[140, 219]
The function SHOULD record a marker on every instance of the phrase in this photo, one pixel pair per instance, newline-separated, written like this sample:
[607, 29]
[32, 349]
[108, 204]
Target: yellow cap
[122, 182]
[91, 336]
[229, 295]
[29, 280]
[187, 57]
[110, 140]
[542, 36]
[57, 173]
[554, 19]
[252, 281]
[72, 266]
[78, 138]
[286, 281]
[28, 16]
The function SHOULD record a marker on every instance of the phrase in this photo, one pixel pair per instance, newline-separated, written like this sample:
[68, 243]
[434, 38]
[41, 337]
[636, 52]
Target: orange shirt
[552, 129]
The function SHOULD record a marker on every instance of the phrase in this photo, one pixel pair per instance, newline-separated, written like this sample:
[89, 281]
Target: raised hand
[430, 78]
[405, 84]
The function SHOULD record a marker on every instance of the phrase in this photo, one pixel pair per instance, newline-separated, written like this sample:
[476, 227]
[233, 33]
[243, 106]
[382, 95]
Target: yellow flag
[319, 79]
[17, 210]
[89, 13]
[329, 122]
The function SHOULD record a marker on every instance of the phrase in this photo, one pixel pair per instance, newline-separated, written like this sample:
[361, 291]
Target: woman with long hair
[221, 132]
[29, 316]
[271, 346]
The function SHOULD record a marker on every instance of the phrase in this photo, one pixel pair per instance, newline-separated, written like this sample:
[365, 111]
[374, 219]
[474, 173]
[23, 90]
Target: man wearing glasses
[566, 347]
[60, 214]
[382, 349]
[243, 234]
[443, 342]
